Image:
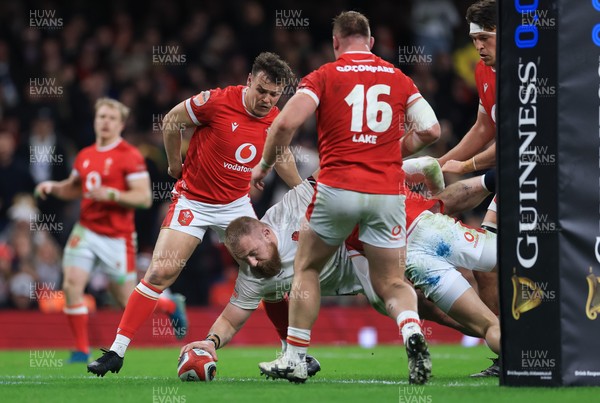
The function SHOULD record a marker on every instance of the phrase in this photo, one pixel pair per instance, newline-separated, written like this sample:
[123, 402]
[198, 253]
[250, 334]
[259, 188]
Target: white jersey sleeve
[247, 292]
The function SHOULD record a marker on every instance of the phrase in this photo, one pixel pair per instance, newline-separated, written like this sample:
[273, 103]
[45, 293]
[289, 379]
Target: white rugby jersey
[337, 277]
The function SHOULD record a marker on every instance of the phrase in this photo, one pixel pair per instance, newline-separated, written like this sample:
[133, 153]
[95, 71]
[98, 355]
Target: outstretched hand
[454, 167]
[205, 345]
[43, 189]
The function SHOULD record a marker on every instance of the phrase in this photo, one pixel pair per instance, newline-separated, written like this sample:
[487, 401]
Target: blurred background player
[213, 182]
[111, 179]
[361, 182]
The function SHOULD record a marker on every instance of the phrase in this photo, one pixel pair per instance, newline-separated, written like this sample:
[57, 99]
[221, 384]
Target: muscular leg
[74, 282]
[386, 271]
[429, 311]
[472, 313]
[305, 294]
[487, 284]
[172, 250]
[171, 253]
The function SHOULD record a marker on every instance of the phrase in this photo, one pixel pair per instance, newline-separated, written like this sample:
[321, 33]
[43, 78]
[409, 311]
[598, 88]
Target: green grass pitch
[349, 374]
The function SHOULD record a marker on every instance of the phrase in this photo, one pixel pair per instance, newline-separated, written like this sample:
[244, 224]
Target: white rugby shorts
[194, 217]
[437, 245]
[334, 212]
[114, 256]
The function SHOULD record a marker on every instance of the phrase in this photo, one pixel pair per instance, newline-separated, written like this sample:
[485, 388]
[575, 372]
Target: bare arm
[67, 189]
[485, 159]
[413, 141]
[286, 168]
[174, 123]
[422, 127]
[459, 159]
[226, 326]
[138, 195]
[294, 113]
[463, 196]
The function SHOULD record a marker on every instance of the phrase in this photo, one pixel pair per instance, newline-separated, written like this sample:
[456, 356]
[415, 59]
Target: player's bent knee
[71, 288]
[163, 270]
[491, 321]
[385, 287]
[73, 284]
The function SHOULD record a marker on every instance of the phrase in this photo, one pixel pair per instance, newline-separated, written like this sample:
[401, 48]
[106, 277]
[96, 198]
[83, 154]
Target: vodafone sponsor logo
[236, 167]
[244, 154]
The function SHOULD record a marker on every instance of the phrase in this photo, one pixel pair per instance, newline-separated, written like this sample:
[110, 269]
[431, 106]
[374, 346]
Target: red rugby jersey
[485, 78]
[224, 148]
[110, 166]
[362, 102]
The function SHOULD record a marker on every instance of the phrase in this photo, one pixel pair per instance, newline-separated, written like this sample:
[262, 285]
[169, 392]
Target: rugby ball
[196, 365]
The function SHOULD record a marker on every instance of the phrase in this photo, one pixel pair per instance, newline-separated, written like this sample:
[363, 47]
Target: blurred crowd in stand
[56, 60]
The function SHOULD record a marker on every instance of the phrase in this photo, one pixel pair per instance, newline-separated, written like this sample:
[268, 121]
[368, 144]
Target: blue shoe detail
[78, 357]
[178, 318]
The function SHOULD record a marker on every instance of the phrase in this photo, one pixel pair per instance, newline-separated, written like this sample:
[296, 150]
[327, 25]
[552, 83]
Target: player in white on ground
[266, 249]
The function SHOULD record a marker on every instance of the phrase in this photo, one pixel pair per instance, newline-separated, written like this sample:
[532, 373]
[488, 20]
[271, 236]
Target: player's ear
[371, 42]
[266, 231]
[336, 43]
[249, 81]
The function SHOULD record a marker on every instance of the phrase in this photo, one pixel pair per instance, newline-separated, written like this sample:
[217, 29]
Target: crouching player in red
[213, 184]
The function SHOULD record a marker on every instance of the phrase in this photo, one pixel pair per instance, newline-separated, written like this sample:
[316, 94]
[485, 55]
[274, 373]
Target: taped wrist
[488, 180]
[215, 339]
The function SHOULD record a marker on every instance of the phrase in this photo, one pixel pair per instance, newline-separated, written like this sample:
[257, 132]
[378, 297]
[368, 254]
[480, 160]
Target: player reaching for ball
[111, 179]
[266, 250]
[213, 182]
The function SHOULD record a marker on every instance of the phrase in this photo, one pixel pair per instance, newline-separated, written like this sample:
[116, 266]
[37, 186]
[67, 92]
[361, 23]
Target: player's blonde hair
[113, 103]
